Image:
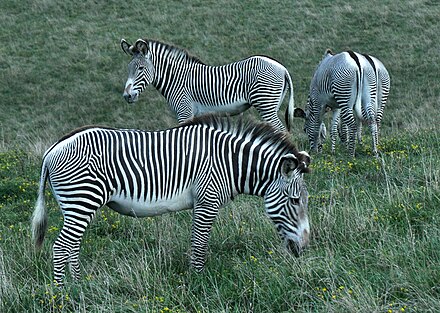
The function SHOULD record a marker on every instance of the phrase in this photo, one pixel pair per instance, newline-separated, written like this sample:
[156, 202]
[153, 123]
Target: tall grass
[375, 228]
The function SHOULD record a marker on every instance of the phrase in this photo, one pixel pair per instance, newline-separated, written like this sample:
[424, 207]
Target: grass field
[375, 243]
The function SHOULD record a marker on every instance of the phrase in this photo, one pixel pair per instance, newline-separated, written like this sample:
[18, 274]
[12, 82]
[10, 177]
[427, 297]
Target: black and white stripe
[193, 88]
[200, 165]
[355, 87]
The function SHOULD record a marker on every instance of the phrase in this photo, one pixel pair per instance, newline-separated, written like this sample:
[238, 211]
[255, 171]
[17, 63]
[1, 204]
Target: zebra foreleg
[183, 109]
[203, 218]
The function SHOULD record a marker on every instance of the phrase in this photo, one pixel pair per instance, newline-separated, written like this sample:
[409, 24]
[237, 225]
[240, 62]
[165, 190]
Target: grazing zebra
[200, 165]
[351, 85]
[383, 89]
[193, 88]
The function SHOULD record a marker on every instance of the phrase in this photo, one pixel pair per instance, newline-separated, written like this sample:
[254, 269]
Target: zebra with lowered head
[355, 87]
[199, 165]
[193, 88]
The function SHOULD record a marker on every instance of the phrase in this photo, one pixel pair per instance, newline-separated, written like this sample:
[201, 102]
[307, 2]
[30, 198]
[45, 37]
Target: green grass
[375, 243]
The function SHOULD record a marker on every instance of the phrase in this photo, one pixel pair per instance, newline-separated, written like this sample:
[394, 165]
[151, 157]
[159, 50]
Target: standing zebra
[355, 87]
[200, 165]
[193, 88]
[383, 89]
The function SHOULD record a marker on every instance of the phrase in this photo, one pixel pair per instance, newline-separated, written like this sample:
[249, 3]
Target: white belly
[232, 108]
[135, 208]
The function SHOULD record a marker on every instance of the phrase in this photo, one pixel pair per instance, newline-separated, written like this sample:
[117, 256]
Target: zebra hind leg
[268, 110]
[67, 245]
[374, 135]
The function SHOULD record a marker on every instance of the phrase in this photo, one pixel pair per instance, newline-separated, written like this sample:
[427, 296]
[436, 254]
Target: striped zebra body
[382, 83]
[346, 83]
[199, 165]
[193, 88]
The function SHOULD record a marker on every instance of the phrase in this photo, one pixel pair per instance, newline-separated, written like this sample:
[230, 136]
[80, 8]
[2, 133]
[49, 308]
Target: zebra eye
[295, 201]
[140, 68]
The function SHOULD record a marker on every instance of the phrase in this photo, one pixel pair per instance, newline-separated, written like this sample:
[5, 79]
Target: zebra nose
[128, 97]
[297, 246]
[127, 94]
[294, 247]
[305, 238]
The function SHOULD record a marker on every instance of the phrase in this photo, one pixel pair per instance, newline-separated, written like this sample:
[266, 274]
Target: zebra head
[286, 202]
[140, 69]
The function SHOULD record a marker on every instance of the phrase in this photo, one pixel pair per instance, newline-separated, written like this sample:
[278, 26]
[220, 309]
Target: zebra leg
[183, 110]
[374, 134]
[334, 128]
[269, 114]
[203, 218]
[67, 245]
[268, 108]
[350, 122]
[359, 131]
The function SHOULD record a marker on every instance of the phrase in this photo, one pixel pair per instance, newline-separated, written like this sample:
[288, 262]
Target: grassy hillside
[375, 225]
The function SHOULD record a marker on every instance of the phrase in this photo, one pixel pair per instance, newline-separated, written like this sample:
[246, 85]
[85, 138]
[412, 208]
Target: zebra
[193, 88]
[383, 89]
[198, 165]
[351, 85]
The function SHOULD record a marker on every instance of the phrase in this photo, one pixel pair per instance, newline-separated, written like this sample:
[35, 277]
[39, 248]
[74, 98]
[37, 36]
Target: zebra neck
[168, 72]
[253, 172]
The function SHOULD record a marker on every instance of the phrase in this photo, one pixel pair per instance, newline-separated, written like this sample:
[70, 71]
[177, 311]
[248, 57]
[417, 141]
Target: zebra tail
[39, 217]
[291, 106]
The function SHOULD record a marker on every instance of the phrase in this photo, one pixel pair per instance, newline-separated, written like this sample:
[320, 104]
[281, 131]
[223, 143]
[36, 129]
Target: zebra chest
[144, 208]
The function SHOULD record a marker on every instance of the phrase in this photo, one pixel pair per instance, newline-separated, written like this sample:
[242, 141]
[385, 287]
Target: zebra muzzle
[128, 95]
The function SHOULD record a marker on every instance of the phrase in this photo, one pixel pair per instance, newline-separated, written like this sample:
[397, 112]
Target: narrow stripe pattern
[193, 88]
[200, 165]
[355, 87]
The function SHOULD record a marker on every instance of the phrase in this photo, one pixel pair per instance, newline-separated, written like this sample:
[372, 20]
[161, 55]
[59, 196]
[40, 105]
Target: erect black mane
[251, 130]
[175, 50]
[254, 130]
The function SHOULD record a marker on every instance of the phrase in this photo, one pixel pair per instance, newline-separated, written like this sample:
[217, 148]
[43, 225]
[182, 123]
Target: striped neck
[168, 64]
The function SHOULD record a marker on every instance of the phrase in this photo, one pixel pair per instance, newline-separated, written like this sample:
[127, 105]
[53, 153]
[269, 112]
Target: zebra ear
[299, 113]
[126, 47]
[304, 162]
[142, 46]
[288, 164]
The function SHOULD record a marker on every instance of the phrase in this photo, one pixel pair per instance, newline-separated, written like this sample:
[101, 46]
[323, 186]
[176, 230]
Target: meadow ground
[375, 225]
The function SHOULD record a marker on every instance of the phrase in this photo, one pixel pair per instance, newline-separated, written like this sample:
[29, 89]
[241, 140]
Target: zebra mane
[176, 51]
[264, 132]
